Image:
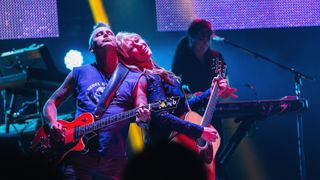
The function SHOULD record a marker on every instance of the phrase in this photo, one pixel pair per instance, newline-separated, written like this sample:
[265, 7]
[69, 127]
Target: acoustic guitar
[206, 150]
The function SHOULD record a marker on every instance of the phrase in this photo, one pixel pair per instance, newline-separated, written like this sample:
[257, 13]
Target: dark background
[270, 149]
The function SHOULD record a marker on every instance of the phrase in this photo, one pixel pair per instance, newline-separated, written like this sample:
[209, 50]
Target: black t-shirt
[198, 76]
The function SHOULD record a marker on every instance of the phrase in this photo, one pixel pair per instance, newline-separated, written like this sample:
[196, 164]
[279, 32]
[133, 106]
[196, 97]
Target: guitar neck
[208, 114]
[82, 130]
[114, 119]
[162, 105]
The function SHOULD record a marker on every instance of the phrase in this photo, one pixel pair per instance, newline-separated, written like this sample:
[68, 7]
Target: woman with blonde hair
[135, 53]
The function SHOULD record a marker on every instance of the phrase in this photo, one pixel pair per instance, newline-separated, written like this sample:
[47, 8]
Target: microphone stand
[298, 76]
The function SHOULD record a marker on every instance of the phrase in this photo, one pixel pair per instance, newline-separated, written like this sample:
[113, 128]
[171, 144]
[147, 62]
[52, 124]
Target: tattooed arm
[58, 97]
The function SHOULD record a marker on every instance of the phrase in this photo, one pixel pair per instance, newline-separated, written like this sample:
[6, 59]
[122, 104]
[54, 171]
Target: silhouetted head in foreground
[165, 161]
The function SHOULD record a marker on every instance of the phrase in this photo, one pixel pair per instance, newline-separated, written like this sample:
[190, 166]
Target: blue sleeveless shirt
[90, 84]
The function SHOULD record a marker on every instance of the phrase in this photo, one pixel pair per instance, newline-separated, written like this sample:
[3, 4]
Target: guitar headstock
[219, 68]
[166, 104]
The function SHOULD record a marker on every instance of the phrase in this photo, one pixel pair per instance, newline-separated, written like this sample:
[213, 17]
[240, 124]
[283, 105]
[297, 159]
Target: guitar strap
[175, 133]
[185, 96]
[115, 81]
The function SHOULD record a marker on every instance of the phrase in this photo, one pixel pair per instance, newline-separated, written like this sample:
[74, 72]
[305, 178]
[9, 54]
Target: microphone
[24, 107]
[253, 89]
[19, 112]
[249, 85]
[217, 38]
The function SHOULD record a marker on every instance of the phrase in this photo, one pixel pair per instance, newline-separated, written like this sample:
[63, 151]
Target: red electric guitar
[53, 147]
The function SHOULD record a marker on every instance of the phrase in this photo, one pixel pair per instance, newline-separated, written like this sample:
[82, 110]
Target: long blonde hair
[123, 39]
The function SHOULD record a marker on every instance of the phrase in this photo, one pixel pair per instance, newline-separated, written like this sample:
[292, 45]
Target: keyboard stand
[242, 130]
[12, 116]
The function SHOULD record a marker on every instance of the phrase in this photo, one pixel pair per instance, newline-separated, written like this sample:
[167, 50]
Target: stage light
[73, 59]
[98, 11]
[135, 132]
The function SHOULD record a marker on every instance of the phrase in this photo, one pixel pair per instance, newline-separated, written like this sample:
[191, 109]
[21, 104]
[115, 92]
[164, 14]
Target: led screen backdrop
[28, 19]
[175, 15]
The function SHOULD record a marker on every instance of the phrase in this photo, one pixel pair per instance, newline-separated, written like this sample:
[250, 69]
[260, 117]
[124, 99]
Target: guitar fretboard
[85, 129]
[208, 114]
[82, 130]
